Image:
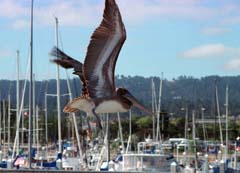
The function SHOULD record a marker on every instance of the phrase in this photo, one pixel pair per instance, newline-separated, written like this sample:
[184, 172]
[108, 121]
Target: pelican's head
[123, 92]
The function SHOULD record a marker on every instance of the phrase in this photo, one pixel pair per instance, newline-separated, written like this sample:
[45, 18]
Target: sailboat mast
[108, 139]
[1, 103]
[34, 113]
[4, 122]
[58, 96]
[153, 109]
[46, 119]
[203, 125]
[75, 123]
[17, 104]
[226, 148]
[30, 92]
[186, 127]
[37, 129]
[120, 130]
[194, 139]
[9, 119]
[158, 136]
[219, 116]
[130, 126]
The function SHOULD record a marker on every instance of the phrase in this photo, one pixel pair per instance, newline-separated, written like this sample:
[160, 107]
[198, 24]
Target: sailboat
[150, 156]
[232, 163]
[26, 160]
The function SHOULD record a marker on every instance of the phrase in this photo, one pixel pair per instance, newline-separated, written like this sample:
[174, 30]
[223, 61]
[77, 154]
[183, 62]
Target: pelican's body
[108, 105]
[111, 105]
[99, 94]
[115, 103]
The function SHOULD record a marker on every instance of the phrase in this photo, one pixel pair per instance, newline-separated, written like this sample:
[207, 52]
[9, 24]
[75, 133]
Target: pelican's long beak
[136, 103]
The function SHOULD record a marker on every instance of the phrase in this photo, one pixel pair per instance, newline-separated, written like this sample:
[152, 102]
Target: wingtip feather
[68, 109]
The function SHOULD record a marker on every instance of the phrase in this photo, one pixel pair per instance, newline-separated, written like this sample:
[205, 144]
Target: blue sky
[177, 37]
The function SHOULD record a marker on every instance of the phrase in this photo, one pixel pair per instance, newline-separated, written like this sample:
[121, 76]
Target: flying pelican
[99, 94]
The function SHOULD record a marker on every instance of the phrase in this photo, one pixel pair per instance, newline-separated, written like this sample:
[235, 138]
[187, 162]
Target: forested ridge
[176, 94]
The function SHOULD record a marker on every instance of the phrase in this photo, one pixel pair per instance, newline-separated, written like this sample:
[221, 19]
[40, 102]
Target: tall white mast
[153, 108]
[1, 121]
[58, 96]
[219, 116]
[17, 104]
[158, 136]
[75, 123]
[34, 113]
[4, 122]
[120, 130]
[194, 139]
[46, 120]
[108, 139]
[186, 127]
[23, 126]
[226, 104]
[37, 129]
[9, 119]
[30, 93]
[130, 126]
[203, 124]
[19, 115]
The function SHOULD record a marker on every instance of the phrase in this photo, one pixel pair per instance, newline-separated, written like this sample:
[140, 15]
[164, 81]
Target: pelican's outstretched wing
[103, 49]
[66, 61]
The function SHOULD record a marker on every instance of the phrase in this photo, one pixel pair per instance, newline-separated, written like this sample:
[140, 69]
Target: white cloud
[234, 64]
[142, 10]
[211, 51]
[214, 30]
[11, 9]
[20, 24]
[87, 12]
[70, 13]
[234, 20]
[4, 53]
[216, 51]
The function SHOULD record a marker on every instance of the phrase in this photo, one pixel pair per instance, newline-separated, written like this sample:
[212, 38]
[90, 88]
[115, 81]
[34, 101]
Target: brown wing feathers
[66, 61]
[109, 36]
[97, 73]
